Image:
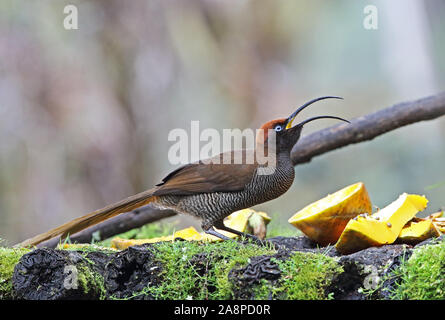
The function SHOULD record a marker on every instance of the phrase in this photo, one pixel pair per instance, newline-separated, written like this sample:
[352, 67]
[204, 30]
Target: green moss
[305, 276]
[263, 291]
[422, 276]
[231, 258]
[91, 281]
[9, 257]
[194, 270]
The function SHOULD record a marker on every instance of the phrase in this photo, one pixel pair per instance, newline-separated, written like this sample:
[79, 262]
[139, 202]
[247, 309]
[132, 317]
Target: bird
[212, 190]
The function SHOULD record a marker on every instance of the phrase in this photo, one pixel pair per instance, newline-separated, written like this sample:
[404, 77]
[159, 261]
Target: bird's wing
[210, 176]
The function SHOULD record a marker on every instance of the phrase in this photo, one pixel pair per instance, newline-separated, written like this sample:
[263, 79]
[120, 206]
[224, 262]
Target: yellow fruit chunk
[264, 215]
[383, 227]
[417, 231]
[324, 220]
[257, 224]
[243, 220]
[440, 225]
[187, 234]
[122, 244]
[81, 246]
[438, 220]
[435, 215]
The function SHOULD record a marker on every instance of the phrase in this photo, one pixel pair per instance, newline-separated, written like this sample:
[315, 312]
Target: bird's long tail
[93, 218]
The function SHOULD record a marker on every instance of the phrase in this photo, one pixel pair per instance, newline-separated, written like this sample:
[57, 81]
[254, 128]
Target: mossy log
[48, 274]
[187, 270]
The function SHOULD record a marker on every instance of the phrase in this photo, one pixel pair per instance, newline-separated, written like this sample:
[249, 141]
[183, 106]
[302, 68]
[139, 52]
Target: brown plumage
[211, 176]
[211, 190]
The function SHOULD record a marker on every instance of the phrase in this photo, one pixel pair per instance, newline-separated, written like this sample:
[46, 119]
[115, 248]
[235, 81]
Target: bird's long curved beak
[292, 117]
[302, 123]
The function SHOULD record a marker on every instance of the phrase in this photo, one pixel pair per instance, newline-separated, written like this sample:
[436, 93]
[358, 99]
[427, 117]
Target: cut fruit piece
[438, 220]
[324, 220]
[257, 224]
[435, 215]
[417, 231]
[122, 244]
[264, 215]
[189, 233]
[82, 246]
[440, 226]
[383, 227]
[243, 220]
[246, 220]
[186, 234]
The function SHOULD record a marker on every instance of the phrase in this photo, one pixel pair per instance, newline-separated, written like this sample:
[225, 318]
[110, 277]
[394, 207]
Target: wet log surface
[48, 273]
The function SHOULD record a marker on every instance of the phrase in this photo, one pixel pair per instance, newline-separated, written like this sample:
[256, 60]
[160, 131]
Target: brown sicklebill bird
[212, 189]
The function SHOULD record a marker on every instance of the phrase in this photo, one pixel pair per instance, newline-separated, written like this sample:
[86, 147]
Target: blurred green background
[85, 114]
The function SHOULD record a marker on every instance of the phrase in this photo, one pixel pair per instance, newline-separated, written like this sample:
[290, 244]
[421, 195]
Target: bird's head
[287, 135]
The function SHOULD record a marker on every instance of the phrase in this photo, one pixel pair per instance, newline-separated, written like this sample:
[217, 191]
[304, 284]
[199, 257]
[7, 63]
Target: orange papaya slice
[324, 220]
[382, 227]
[417, 230]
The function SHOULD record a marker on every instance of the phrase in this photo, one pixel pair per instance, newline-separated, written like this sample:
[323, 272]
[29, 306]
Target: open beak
[291, 118]
[302, 123]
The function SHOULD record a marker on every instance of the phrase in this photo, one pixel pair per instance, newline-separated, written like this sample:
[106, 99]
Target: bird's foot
[215, 233]
[245, 237]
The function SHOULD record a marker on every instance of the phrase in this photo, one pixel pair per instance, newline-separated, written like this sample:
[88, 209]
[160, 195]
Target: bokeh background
[85, 114]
